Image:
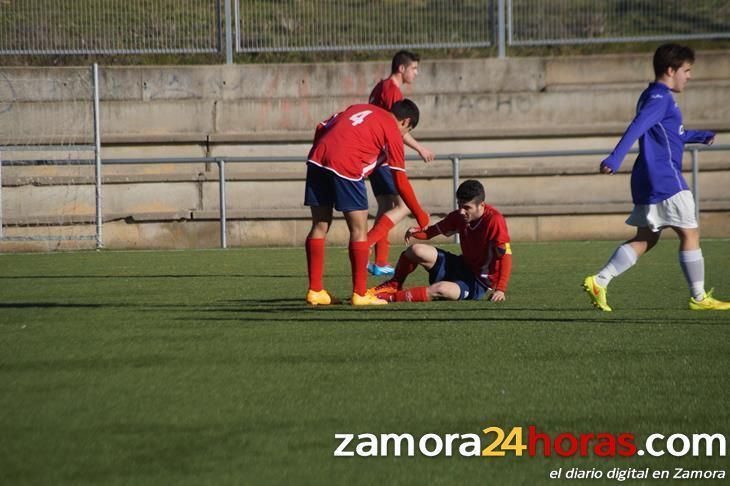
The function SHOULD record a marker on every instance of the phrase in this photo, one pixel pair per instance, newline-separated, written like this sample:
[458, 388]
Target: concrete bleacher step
[467, 106]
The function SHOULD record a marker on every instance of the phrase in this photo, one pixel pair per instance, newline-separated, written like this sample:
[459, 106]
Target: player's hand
[426, 154]
[409, 234]
[710, 140]
[605, 169]
[497, 296]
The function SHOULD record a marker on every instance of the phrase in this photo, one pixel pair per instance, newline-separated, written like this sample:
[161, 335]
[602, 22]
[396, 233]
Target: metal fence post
[696, 182]
[501, 29]
[455, 169]
[222, 199]
[1, 195]
[97, 166]
[229, 33]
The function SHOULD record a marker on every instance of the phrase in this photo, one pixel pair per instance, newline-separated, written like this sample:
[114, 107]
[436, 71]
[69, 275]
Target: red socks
[403, 268]
[416, 294]
[315, 262]
[380, 230]
[382, 250]
[359, 254]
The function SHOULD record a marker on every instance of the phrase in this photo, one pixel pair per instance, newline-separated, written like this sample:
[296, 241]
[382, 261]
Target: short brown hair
[470, 190]
[406, 108]
[403, 58]
[671, 56]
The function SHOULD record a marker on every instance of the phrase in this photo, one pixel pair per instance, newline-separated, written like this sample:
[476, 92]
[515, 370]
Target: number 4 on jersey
[359, 117]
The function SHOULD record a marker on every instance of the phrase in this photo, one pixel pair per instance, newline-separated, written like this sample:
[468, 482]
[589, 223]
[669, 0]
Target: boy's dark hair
[470, 190]
[671, 55]
[403, 58]
[405, 108]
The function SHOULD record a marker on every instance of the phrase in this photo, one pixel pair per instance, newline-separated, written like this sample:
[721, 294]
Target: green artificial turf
[195, 367]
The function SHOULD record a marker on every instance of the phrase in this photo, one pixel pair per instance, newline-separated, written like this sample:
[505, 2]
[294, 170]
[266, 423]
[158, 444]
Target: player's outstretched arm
[698, 136]
[421, 234]
[503, 269]
[409, 197]
[425, 153]
[650, 113]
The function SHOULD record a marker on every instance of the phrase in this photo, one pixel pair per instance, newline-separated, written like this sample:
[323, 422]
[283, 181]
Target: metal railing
[83, 123]
[454, 159]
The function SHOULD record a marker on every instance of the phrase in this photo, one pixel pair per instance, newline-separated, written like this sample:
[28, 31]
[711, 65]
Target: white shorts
[677, 211]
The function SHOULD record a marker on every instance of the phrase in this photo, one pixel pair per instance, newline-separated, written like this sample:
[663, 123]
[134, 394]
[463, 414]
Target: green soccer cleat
[597, 293]
[708, 303]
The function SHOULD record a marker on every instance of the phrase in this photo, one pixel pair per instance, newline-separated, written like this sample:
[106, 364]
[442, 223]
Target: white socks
[693, 266]
[622, 259]
[692, 263]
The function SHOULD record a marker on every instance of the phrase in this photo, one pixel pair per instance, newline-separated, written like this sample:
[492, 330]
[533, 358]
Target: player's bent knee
[422, 253]
[444, 291]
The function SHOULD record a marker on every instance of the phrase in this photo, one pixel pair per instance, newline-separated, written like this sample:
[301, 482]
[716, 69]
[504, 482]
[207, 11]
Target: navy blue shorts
[381, 180]
[325, 188]
[451, 268]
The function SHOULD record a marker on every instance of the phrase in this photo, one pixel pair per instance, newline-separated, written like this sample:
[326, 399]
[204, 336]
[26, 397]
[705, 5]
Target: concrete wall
[459, 98]
[468, 106]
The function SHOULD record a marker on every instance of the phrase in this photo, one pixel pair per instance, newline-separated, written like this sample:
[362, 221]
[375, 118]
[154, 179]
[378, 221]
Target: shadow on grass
[47, 305]
[372, 316]
[288, 310]
[92, 363]
[171, 276]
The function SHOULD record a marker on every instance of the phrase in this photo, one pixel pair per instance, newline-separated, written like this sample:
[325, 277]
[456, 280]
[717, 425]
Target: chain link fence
[554, 22]
[327, 25]
[32, 27]
[36, 27]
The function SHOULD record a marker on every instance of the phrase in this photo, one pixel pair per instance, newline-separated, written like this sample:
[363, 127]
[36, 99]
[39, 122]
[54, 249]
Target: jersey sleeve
[649, 114]
[395, 151]
[499, 239]
[447, 227]
[322, 127]
[451, 224]
[409, 197]
[697, 136]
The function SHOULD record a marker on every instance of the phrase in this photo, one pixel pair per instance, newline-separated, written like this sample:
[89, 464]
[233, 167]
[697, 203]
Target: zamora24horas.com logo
[496, 442]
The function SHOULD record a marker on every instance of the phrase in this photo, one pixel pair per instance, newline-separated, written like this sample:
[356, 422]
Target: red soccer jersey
[350, 142]
[485, 244]
[385, 93]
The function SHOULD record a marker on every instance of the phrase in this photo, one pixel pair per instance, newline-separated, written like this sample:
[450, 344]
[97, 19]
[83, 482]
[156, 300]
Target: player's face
[471, 210]
[680, 77]
[410, 72]
[405, 126]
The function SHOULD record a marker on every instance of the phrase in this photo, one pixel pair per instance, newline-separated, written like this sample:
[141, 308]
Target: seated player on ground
[482, 269]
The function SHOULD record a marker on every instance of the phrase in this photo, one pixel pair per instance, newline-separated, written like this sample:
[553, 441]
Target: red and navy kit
[351, 141]
[485, 245]
[385, 93]
[350, 144]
